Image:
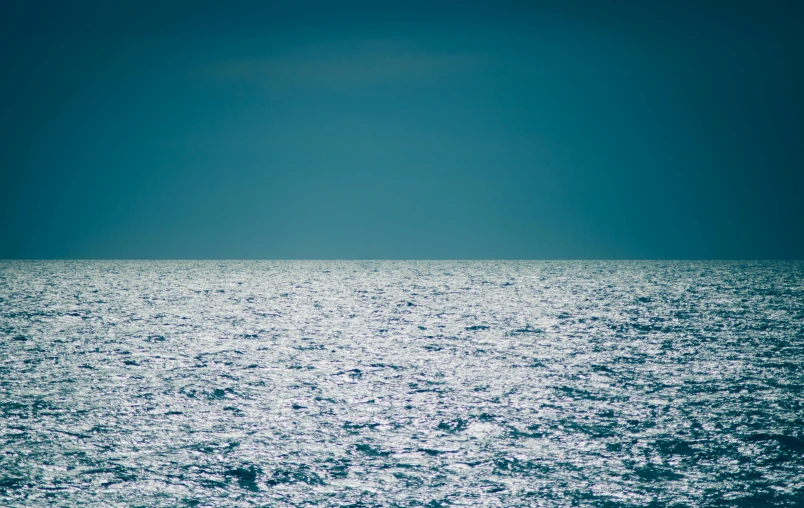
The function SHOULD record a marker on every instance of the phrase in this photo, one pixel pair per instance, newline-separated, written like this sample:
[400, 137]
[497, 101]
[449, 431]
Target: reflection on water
[401, 383]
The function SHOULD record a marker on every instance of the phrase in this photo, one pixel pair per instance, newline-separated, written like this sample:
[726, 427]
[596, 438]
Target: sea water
[184, 383]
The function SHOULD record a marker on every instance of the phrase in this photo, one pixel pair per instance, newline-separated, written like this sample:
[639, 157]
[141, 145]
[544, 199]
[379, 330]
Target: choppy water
[401, 383]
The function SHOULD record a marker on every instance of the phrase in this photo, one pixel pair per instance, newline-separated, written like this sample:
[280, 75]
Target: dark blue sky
[319, 129]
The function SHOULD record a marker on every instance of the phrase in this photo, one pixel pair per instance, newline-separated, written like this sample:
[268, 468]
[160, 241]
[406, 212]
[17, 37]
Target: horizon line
[401, 259]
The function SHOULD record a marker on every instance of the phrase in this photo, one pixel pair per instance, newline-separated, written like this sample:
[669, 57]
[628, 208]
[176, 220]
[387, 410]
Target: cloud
[347, 63]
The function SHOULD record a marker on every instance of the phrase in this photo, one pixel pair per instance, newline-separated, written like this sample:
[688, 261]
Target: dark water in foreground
[401, 383]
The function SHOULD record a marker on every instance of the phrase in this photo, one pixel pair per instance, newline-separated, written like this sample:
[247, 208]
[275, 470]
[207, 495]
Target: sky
[401, 129]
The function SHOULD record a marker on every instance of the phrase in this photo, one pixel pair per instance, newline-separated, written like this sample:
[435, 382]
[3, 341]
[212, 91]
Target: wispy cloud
[347, 63]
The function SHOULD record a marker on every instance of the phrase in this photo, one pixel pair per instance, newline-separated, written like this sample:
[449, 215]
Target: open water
[401, 383]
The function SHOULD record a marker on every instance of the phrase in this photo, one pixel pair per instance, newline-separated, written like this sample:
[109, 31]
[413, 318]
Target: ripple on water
[402, 383]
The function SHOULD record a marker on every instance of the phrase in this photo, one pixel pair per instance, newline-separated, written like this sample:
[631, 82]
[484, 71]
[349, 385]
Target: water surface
[401, 383]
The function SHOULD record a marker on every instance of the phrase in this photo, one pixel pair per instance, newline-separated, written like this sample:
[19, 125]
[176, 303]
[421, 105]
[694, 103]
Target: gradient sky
[324, 129]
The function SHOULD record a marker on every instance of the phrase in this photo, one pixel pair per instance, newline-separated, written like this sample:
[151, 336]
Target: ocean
[401, 383]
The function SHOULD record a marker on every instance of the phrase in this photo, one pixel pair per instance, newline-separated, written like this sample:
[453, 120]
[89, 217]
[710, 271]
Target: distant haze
[417, 130]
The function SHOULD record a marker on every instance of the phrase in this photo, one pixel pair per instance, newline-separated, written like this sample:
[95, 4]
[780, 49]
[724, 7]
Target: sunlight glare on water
[401, 383]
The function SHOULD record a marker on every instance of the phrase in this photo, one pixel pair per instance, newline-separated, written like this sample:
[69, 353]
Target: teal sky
[458, 130]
